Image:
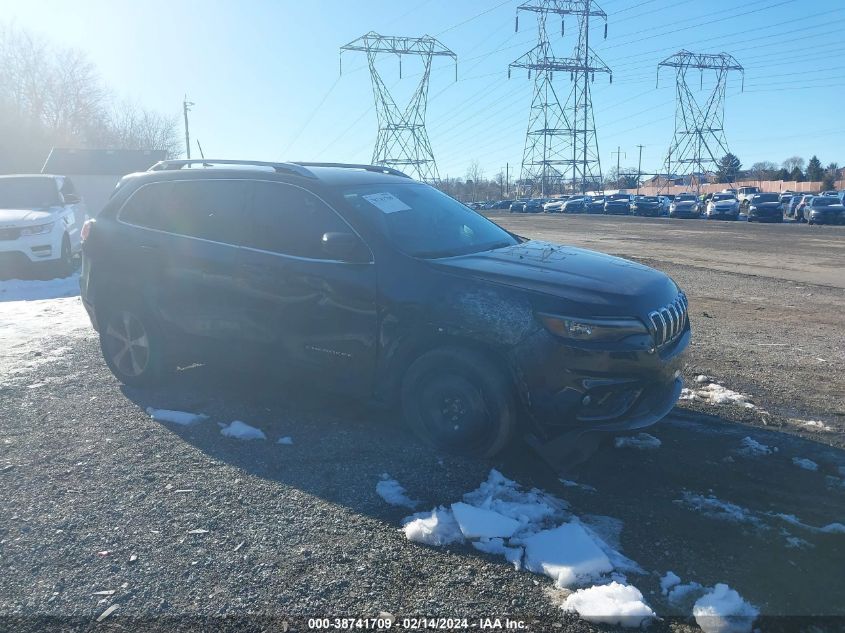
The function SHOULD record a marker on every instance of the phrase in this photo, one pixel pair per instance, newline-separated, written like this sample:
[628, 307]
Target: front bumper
[685, 213]
[572, 389]
[33, 248]
[826, 218]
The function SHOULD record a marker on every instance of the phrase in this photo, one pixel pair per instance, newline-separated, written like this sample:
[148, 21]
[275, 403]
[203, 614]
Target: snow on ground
[393, 493]
[182, 418]
[753, 448]
[574, 484]
[714, 393]
[641, 441]
[437, 527]
[241, 431]
[35, 319]
[806, 464]
[830, 528]
[480, 523]
[615, 603]
[669, 580]
[287, 440]
[568, 554]
[816, 425]
[715, 508]
[722, 610]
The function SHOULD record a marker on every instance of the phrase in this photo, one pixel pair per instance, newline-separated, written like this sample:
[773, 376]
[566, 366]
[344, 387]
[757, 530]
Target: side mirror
[345, 247]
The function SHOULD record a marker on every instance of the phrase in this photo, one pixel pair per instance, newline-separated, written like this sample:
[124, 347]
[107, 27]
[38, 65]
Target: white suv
[41, 218]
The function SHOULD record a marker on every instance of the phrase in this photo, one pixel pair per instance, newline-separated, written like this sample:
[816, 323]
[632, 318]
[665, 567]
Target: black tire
[63, 267]
[457, 401]
[131, 344]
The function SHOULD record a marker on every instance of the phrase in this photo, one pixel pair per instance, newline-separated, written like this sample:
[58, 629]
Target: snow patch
[668, 581]
[642, 441]
[574, 484]
[242, 431]
[806, 464]
[182, 418]
[722, 610]
[715, 508]
[480, 523]
[437, 527]
[393, 493]
[830, 528]
[817, 425]
[715, 394]
[286, 440]
[754, 448]
[567, 554]
[615, 603]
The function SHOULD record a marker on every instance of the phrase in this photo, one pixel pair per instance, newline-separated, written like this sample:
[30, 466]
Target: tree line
[793, 168]
[51, 96]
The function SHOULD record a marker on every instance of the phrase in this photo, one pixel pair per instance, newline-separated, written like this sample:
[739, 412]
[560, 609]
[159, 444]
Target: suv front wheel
[457, 401]
[131, 345]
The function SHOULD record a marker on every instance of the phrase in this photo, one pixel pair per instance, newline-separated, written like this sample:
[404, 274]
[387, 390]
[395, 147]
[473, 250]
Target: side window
[207, 209]
[288, 220]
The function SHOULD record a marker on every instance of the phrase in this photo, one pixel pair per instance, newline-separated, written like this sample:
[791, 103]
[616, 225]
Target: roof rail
[379, 169]
[292, 168]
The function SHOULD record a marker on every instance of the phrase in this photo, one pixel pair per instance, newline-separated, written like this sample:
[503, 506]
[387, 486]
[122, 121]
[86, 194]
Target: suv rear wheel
[457, 401]
[131, 345]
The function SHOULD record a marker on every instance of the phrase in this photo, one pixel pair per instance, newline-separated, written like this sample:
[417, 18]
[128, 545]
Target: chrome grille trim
[668, 322]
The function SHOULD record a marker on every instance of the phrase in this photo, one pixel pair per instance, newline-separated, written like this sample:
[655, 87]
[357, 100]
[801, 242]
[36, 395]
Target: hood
[625, 202]
[831, 208]
[595, 283]
[765, 205]
[23, 217]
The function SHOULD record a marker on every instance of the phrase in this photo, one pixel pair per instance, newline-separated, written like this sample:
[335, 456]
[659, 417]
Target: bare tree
[129, 126]
[764, 170]
[792, 162]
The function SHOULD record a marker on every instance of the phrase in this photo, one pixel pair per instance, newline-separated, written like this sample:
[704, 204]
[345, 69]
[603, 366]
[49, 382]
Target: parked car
[535, 205]
[784, 199]
[555, 205]
[830, 192]
[595, 205]
[794, 200]
[685, 205]
[41, 217]
[646, 206]
[503, 204]
[824, 209]
[764, 207]
[723, 206]
[518, 206]
[744, 195]
[490, 204]
[385, 288]
[729, 190]
[799, 209]
[576, 204]
[617, 204]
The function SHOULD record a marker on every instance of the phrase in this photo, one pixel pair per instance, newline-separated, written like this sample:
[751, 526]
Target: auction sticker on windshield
[386, 202]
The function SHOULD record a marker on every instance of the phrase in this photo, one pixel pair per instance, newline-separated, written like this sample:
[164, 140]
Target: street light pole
[639, 168]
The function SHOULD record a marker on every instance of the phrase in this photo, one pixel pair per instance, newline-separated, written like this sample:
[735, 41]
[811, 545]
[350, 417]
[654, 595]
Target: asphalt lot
[98, 497]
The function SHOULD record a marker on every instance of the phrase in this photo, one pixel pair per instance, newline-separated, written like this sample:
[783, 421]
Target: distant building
[95, 172]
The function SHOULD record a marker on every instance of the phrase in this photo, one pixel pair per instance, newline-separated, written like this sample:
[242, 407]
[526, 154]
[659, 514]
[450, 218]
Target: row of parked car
[728, 204]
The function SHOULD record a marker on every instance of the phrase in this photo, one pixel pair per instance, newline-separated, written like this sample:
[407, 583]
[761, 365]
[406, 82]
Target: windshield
[723, 196]
[423, 222]
[824, 201]
[28, 193]
[767, 197]
[685, 198]
[619, 196]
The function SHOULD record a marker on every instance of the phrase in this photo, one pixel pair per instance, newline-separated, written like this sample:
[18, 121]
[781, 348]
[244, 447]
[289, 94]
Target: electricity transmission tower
[402, 140]
[699, 140]
[561, 142]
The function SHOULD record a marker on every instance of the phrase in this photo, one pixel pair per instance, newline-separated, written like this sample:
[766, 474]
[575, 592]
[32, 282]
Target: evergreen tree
[728, 168]
[814, 169]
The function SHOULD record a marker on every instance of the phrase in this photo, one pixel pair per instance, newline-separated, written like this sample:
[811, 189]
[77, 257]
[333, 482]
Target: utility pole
[618, 153]
[639, 168]
[186, 107]
[508, 179]
[402, 141]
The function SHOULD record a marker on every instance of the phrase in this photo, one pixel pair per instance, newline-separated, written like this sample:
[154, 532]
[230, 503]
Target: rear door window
[206, 209]
[288, 220]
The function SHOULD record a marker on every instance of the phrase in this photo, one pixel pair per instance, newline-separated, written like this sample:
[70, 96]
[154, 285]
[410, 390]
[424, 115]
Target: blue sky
[264, 74]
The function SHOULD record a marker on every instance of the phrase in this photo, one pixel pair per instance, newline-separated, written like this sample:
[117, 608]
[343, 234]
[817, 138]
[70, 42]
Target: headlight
[40, 229]
[578, 329]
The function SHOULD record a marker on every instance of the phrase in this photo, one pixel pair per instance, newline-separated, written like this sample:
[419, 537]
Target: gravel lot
[97, 497]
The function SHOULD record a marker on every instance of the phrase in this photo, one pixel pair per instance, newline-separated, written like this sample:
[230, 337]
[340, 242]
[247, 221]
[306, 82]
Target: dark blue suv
[381, 287]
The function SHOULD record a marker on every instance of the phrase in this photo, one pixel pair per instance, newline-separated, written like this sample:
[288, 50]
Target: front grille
[9, 234]
[668, 322]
